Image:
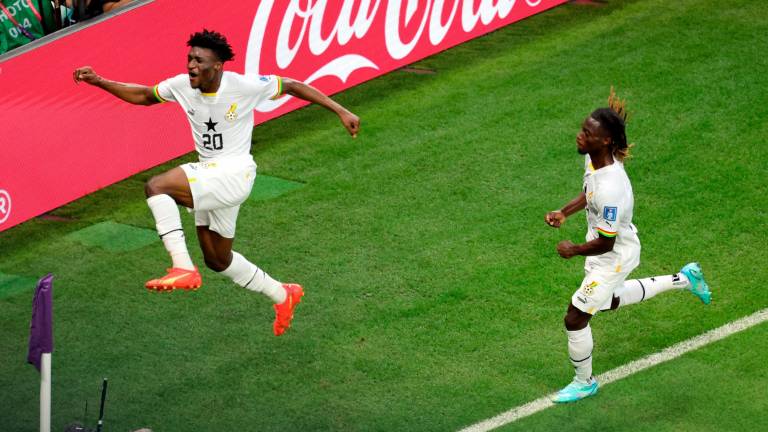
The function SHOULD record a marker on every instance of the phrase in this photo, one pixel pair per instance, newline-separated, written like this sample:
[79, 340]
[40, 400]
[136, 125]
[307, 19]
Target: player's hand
[555, 218]
[566, 249]
[85, 74]
[351, 122]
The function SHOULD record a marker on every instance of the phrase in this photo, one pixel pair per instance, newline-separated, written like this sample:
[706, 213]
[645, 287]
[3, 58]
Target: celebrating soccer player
[219, 106]
[612, 247]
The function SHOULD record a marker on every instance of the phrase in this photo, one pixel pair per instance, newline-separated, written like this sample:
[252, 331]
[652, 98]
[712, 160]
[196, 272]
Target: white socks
[241, 271]
[168, 222]
[637, 290]
[580, 351]
[247, 275]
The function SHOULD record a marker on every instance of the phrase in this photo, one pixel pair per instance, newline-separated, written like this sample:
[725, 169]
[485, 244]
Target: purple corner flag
[41, 327]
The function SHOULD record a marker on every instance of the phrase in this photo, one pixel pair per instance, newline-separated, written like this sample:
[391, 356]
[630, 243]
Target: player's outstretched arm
[131, 93]
[304, 91]
[558, 217]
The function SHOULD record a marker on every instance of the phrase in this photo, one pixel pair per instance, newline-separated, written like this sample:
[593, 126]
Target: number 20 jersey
[222, 122]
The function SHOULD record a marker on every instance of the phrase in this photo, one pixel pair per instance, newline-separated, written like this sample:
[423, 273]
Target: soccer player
[612, 248]
[219, 107]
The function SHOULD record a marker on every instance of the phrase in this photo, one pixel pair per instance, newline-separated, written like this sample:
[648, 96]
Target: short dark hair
[214, 41]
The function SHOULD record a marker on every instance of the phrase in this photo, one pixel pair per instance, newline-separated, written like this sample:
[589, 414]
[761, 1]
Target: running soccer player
[612, 247]
[219, 107]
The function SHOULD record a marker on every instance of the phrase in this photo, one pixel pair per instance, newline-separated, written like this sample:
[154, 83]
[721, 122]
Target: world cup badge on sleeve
[609, 213]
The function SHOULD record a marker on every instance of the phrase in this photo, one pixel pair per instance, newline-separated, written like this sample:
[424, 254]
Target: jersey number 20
[213, 142]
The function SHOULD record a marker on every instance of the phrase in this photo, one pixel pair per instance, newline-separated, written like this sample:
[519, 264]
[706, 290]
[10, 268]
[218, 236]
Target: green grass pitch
[434, 295]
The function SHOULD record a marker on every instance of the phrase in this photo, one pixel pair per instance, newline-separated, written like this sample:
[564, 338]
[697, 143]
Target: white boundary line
[624, 371]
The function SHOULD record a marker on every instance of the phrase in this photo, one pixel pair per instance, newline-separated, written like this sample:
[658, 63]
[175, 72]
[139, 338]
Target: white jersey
[222, 122]
[610, 204]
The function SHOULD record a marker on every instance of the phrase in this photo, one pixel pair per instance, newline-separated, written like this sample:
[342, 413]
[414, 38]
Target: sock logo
[677, 280]
[5, 205]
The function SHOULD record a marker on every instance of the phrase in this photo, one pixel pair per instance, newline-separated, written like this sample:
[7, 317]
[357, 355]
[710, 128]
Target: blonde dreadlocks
[613, 119]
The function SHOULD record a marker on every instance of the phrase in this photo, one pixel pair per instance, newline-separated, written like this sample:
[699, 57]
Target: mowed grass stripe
[114, 237]
[268, 187]
[14, 284]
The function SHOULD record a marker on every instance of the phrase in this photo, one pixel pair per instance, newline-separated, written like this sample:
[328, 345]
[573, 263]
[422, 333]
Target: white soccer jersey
[610, 204]
[222, 122]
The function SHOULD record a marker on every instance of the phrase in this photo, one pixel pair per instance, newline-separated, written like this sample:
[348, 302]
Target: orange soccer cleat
[176, 279]
[284, 311]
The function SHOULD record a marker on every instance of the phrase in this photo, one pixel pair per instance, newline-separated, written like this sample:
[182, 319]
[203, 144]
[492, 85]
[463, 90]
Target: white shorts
[599, 284]
[218, 188]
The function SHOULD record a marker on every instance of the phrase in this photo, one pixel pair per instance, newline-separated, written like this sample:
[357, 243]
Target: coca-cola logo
[314, 39]
[5, 205]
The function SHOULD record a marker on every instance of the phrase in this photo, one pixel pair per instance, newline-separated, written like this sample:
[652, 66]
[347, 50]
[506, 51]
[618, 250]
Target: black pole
[43, 22]
[101, 408]
[57, 15]
[80, 10]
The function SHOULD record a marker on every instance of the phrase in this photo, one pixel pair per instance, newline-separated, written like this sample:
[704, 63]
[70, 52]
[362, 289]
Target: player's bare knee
[575, 320]
[569, 322]
[153, 187]
[215, 264]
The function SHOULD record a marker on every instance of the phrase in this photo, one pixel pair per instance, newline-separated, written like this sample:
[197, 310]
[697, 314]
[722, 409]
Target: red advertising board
[61, 141]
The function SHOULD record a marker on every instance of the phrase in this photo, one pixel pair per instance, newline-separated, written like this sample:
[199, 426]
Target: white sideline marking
[624, 371]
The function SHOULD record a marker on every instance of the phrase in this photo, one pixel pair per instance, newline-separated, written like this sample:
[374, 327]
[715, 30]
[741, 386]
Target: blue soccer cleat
[699, 286]
[576, 391]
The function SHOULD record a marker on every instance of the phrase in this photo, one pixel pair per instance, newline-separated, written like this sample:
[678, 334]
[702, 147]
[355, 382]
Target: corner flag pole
[41, 345]
[45, 392]
[101, 408]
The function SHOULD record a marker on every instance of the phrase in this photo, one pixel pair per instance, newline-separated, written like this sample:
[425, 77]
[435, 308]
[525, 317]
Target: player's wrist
[339, 110]
[100, 82]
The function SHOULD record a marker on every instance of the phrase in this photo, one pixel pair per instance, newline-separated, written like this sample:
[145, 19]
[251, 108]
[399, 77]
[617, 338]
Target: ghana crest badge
[231, 115]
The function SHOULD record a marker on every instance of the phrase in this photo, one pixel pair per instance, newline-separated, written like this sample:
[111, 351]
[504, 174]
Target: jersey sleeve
[263, 87]
[164, 91]
[610, 204]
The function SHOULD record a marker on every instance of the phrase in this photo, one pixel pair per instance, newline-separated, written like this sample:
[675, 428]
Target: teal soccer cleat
[576, 391]
[699, 286]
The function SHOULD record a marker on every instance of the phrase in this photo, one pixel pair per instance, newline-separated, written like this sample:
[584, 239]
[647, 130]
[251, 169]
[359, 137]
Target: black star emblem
[211, 124]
